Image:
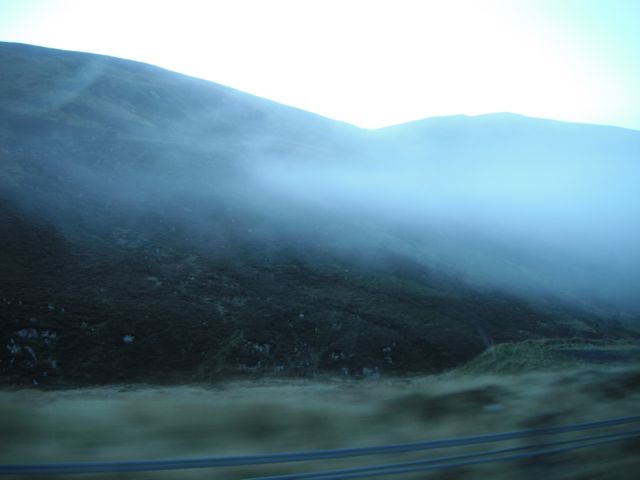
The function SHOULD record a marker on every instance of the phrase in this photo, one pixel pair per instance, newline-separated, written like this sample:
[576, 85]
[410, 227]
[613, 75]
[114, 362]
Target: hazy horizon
[372, 64]
[433, 117]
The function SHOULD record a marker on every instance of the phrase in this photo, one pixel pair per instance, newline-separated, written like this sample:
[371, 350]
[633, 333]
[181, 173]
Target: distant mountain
[558, 201]
[156, 226]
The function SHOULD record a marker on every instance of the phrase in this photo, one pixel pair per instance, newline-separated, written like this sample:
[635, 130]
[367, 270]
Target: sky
[372, 63]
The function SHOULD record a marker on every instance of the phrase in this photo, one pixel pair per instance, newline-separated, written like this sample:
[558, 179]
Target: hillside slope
[156, 226]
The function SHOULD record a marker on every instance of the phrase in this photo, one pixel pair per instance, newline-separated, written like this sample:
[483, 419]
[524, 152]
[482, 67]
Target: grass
[277, 415]
[551, 354]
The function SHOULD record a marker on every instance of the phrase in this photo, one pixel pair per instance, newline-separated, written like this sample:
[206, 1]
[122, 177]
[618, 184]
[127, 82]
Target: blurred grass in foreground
[277, 415]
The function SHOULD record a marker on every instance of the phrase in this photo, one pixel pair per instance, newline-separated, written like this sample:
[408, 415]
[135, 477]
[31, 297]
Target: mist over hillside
[144, 212]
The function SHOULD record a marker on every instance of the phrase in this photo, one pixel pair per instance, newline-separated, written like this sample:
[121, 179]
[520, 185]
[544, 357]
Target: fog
[538, 208]
[558, 222]
[531, 206]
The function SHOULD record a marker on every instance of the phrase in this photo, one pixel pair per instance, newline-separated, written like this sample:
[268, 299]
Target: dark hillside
[155, 226]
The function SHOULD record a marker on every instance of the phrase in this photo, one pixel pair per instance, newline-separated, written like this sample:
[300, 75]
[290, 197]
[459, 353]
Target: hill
[156, 226]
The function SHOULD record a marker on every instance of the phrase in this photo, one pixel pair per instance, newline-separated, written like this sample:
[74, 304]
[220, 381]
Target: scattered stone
[370, 372]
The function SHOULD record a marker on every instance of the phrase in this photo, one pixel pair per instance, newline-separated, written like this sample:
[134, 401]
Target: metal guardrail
[488, 456]
[456, 461]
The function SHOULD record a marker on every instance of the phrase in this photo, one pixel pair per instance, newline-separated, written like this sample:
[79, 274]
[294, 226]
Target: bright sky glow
[368, 62]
